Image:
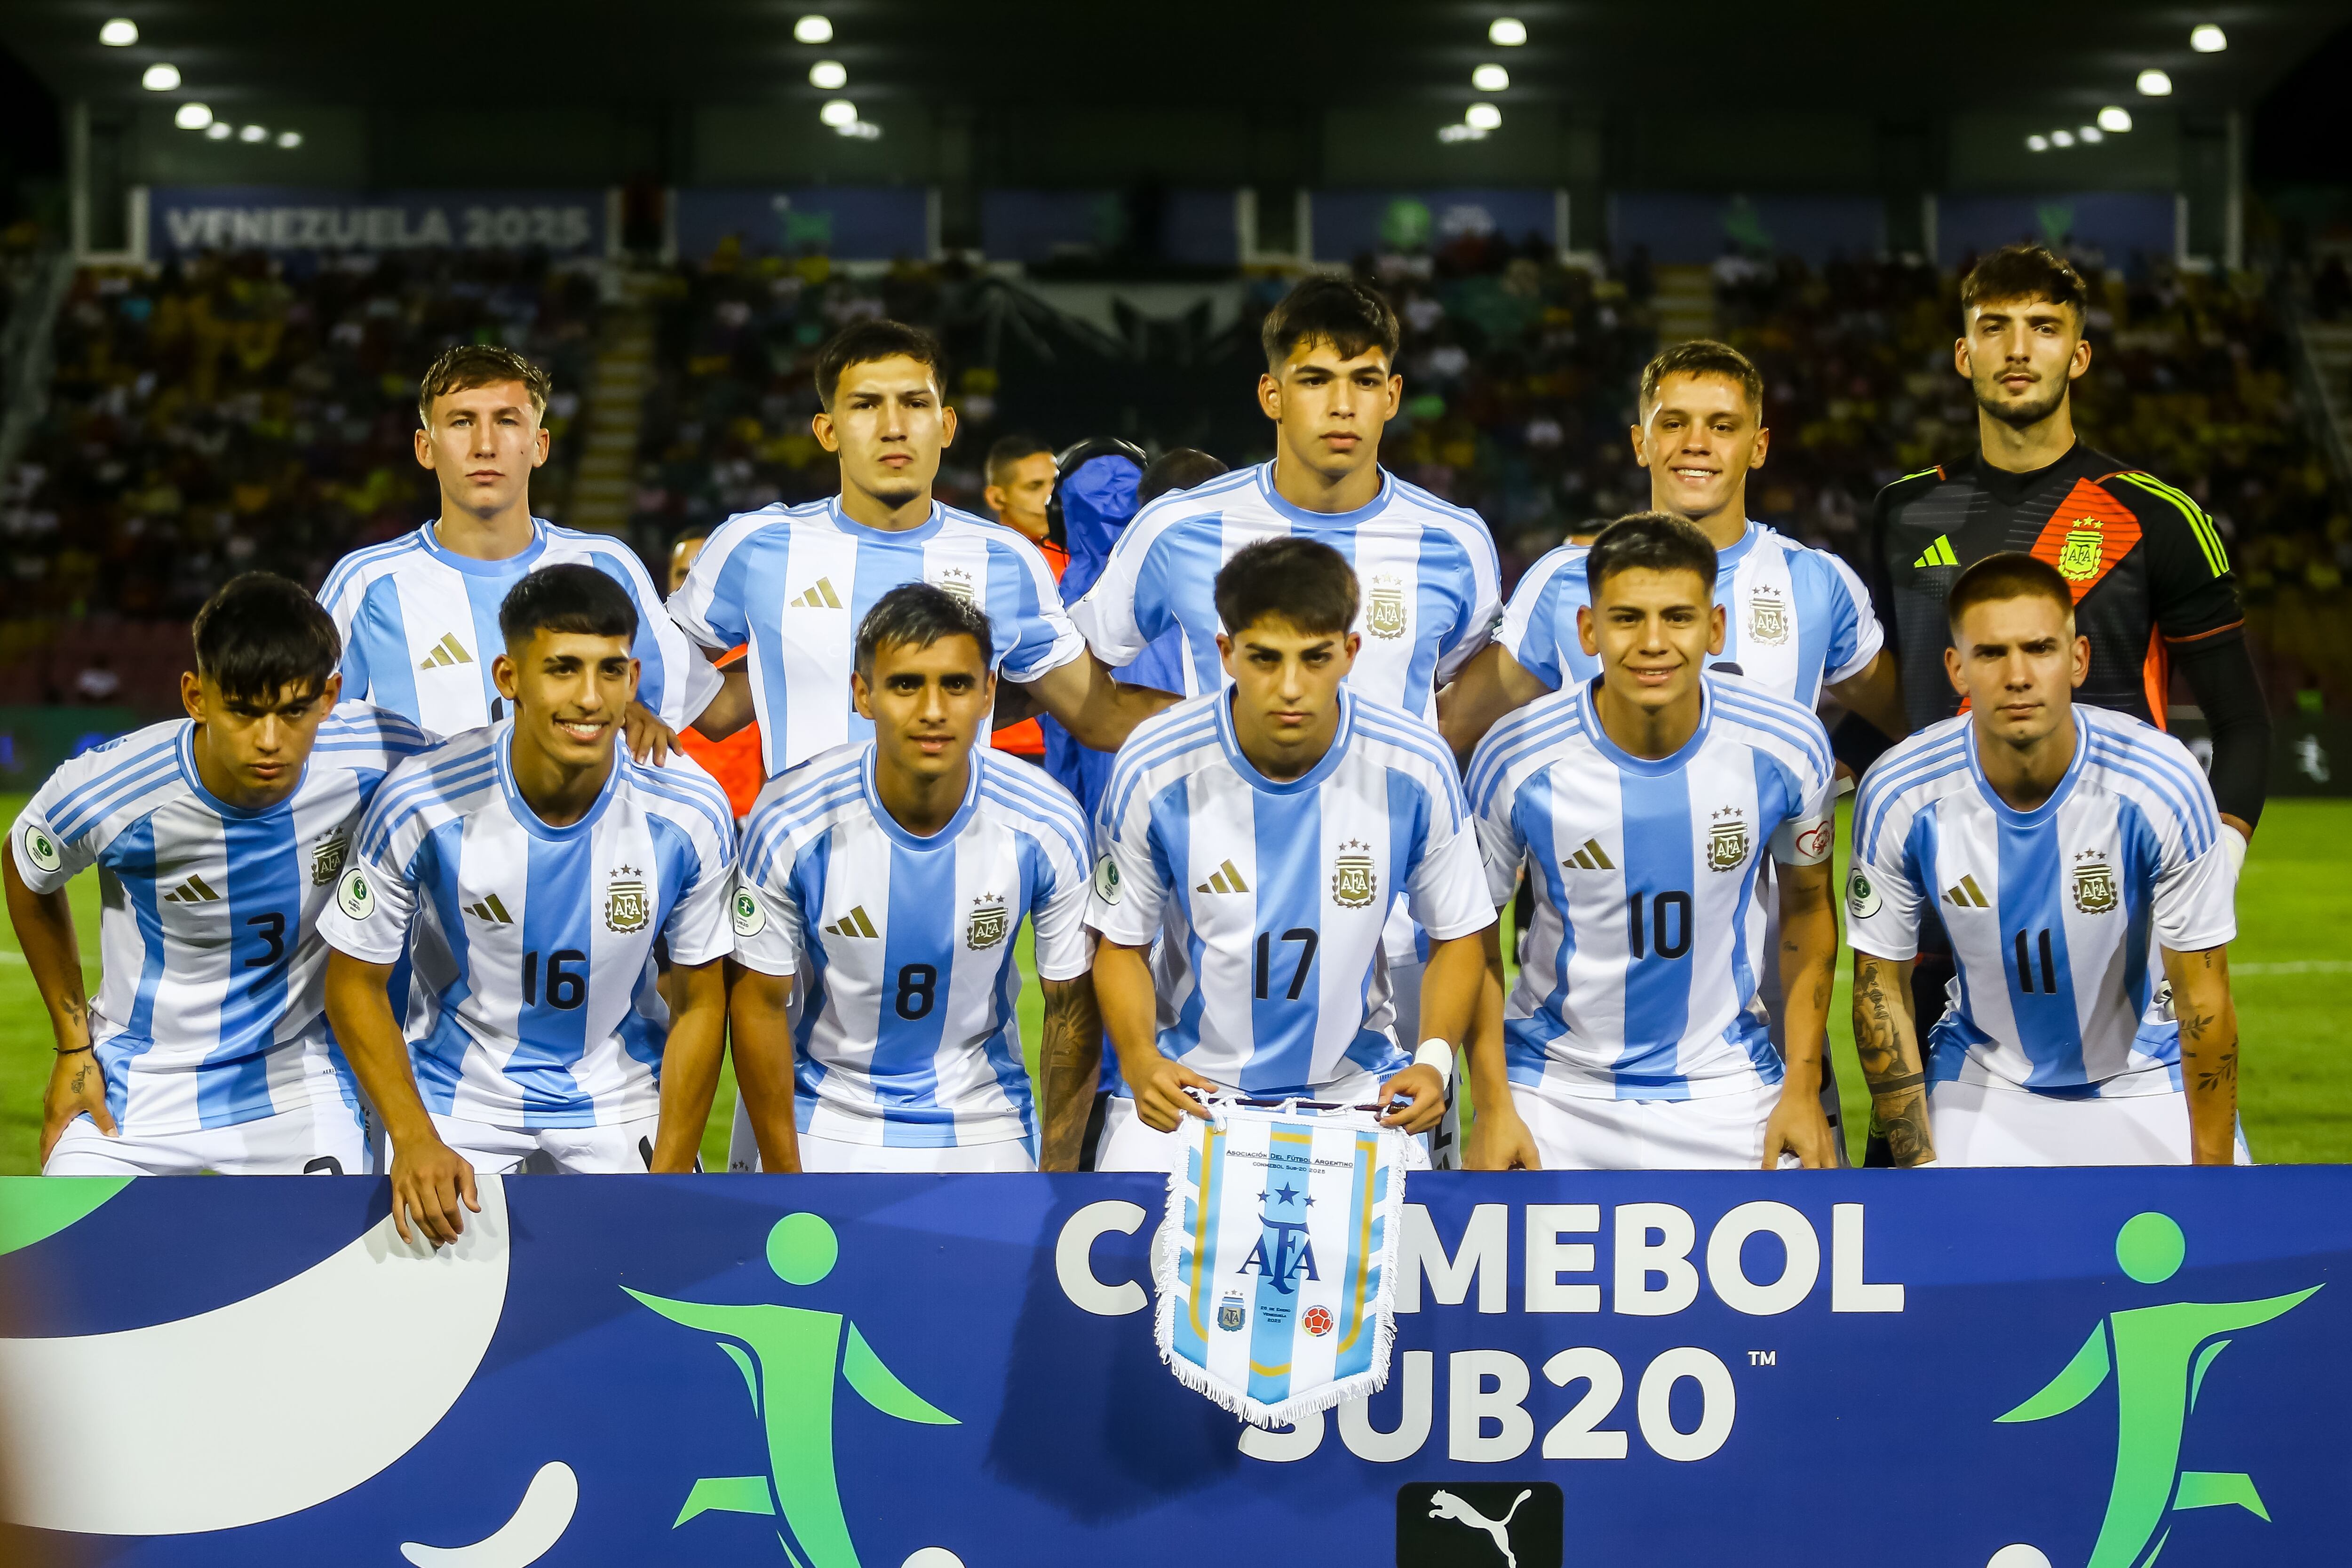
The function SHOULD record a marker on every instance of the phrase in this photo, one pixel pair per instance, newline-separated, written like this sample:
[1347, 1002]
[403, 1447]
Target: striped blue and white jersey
[906, 1031]
[1795, 619]
[2057, 916]
[1270, 897]
[532, 1002]
[420, 626]
[211, 1010]
[796, 581]
[1429, 583]
[1640, 976]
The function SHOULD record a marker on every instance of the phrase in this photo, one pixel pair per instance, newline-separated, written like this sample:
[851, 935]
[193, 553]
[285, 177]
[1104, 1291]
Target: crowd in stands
[232, 410]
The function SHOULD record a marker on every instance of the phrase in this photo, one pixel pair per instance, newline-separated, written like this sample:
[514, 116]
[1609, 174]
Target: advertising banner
[1347, 223]
[849, 223]
[181, 219]
[1192, 227]
[2112, 225]
[1681, 227]
[1997, 1370]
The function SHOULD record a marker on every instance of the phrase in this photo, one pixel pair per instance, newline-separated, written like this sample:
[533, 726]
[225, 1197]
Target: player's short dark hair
[469, 365]
[2011, 574]
[690, 533]
[1301, 581]
[1352, 317]
[1653, 541]
[1007, 450]
[575, 598]
[863, 342]
[1179, 470]
[2024, 271]
[1704, 356]
[261, 636]
[919, 614]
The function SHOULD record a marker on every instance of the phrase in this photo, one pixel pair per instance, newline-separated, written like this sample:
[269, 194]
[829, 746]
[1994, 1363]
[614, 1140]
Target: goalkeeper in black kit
[2152, 585]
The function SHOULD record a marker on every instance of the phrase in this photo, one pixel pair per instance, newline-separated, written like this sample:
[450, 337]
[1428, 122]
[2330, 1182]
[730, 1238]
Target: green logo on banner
[789, 1357]
[2159, 1356]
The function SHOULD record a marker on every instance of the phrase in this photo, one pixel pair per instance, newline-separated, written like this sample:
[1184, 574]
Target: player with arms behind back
[2075, 856]
[1643, 805]
[534, 865]
[218, 839]
[887, 879]
[1258, 831]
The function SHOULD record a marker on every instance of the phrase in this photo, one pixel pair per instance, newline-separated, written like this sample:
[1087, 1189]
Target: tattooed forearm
[1887, 1042]
[1070, 1065]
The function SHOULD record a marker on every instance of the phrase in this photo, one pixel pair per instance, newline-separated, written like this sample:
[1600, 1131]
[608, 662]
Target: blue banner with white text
[2000, 1370]
[182, 219]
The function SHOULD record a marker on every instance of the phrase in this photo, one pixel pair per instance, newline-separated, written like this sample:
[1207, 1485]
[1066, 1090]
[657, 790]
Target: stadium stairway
[1685, 303]
[602, 484]
[26, 342]
[2327, 354]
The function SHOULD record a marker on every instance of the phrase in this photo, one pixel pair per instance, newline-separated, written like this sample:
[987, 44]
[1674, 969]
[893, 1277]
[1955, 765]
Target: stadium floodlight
[2090, 135]
[828, 76]
[1483, 117]
[1460, 132]
[2061, 139]
[2154, 83]
[1507, 32]
[254, 133]
[2208, 39]
[2115, 119]
[860, 130]
[120, 33]
[161, 76]
[219, 131]
[289, 139]
[2037, 144]
[813, 30]
[838, 113]
[193, 116]
[1490, 79]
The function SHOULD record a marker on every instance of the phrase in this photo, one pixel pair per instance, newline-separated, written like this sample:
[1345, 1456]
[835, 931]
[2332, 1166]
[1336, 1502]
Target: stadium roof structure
[1270, 53]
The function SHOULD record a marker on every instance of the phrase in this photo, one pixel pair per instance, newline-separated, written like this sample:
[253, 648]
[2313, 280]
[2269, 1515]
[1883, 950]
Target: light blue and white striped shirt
[533, 1003]
[1640, 976]
[905, 1030]
[211, 1011]
[2059, 916]
[420, 626]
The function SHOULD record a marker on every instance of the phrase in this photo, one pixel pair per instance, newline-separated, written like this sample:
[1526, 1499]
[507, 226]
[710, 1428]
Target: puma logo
[1445, 1505]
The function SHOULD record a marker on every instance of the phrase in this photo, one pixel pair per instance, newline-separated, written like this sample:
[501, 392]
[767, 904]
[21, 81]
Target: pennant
[1275, 1264]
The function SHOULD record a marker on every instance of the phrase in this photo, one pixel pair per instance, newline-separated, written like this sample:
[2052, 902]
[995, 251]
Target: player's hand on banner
[650, 738]
[77, 1088]
[1425, 1089]
[1798, 1126]
[1500, 1141]
[426, 1186]
[1160, 1097]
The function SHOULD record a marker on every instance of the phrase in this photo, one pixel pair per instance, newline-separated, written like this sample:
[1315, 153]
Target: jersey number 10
[1669, 924]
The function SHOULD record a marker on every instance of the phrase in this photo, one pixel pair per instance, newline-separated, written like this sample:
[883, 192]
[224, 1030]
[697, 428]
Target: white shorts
[1577, 1132]
[1983, 1124]
[312, 1139]
[1131, 1143]
[831, 1154]
[624, 1148]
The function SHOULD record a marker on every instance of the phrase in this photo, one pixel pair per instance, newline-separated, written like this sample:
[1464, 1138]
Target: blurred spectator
[98, 683]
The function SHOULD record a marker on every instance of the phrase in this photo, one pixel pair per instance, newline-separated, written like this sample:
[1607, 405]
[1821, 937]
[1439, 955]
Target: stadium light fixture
[2115, 119]
[1458, 132]
[2154, 83]
[838, 113]
[1483, 117]
[1490, 79]
[254, 133]
[161, 76]
[813, 30]
[1507, 32]
[289, 139]
[120, 33]
[2037, 144]
[2090, 135]
[860, 130]
[828, 76]
[2061, 139]
[2208, 39]
[193, 116]
[219, 131]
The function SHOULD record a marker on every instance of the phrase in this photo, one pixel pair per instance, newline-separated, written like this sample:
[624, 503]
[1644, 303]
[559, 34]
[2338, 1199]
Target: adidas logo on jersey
[819, 597]
[448, 651]
[1592, 857]
[854, 923]
[1226, 881]
[1939, 553]
[1966, 894]
[192, 891]
[491, 911]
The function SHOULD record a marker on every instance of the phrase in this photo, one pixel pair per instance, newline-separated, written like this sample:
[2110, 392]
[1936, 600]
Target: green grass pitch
[2291, 966]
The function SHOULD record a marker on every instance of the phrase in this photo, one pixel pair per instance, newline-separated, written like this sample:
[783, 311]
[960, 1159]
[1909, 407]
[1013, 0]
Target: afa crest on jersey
[1384, 614]
[989, 924]
[327, 859]
[956, 583]
[1726, 840]
[2095, 884]
[626, 907]
[2079, 555]
[1355, 882]
[1768, 617]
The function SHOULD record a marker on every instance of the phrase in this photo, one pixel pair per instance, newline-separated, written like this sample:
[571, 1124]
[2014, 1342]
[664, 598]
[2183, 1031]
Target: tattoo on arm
[1886, 1040]
[1070, 1062]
